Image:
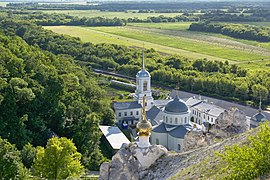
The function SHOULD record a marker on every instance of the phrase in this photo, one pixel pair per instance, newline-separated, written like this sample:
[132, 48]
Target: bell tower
[143, 87]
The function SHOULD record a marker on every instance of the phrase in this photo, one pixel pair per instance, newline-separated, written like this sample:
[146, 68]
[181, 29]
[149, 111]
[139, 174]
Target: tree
[59, 160]
[11, 166]
[28, 155]
[108, 117]
[259, 91]
[251, 160]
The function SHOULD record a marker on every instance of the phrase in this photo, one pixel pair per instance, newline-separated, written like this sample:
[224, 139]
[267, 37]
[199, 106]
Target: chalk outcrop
[230, 123]
[131, 162]
[196, 139]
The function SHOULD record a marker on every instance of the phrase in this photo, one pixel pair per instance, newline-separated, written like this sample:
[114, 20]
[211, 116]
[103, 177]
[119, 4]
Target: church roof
[126, 105]
[193, 101]
[259, 117]
[161, 103]
[143, 73]
[155, 115]
[216, 111]
[177, 131]
[220, 103]
[180, 131]
[176, 106]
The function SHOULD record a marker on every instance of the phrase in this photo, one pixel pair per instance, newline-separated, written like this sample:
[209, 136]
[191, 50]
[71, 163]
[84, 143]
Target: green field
[127, 36]
[94, 36]
[168, 26]
[181, 29]
[181, 43]
[173, 38]
[107, 14]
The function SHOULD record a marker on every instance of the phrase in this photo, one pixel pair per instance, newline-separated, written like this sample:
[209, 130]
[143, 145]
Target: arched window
[166, 119]
[176, 121]
[179, 147]
[145, 86]
[171, 120]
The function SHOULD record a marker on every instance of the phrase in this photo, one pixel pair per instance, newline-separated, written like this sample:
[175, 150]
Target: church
[130, 112]
[171, 118]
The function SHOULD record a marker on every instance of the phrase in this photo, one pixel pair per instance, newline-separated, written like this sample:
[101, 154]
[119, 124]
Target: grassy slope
[183, 26]
[181, 43]
[182, 29]
[201, 163]
[107, 14]
[94, 36]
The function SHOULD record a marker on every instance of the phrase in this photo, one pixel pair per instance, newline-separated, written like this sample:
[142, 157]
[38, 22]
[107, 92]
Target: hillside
[201, 163]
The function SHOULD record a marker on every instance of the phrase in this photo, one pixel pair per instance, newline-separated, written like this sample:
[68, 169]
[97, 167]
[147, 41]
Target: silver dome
[176, 106]
[143, 73]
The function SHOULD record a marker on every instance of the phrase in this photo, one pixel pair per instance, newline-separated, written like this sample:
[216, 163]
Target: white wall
[173, 143]
[162, 137]
[199, 117]
[128, 111]
[171, 118]
[166, 140]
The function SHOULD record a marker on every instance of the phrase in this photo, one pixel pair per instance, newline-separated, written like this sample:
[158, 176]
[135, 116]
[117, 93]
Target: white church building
[176, 123]
[171, 118]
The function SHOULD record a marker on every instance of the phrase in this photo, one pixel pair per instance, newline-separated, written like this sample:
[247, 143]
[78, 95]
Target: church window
[146, 104]
[212, 120]
[171, 120]
[157, 141]
[179, 147]
[145, 86]
[208, 118]
[185, 120]
[176, 121]
[166, 119]
[137, 112]
[131, 113]
[204, 116]
[119, 114]
[125, 113]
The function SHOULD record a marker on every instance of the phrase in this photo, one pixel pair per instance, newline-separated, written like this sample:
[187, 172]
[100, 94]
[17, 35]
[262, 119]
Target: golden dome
[144, 127]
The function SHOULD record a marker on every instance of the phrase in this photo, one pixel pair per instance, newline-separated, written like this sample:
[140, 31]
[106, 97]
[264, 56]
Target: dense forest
[242, 31]
[42, 95]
